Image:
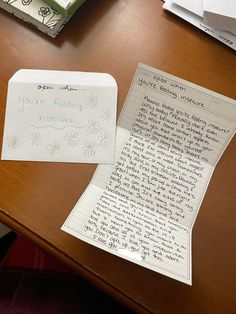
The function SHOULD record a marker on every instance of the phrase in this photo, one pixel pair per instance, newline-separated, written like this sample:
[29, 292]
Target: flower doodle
[91, 101]
[44, 12]
[93, 127]
[72, 138]
[105, 139]
[106, 115]
[89, 149]
[54, 149]
[13, 142]
[35, 138]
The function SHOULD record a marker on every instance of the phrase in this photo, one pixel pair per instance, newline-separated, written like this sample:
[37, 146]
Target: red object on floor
[23, 254]
[32, 282]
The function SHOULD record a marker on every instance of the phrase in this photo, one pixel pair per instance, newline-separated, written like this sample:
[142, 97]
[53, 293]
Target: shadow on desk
[33, 282]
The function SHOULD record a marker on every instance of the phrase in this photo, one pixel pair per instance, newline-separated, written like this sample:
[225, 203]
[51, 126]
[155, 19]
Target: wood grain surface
[113, 36]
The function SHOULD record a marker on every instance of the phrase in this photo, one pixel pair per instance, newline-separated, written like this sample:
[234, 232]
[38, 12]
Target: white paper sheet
[170, 135]
[194, 6]
[227, 38]
[60, 116]
[220, 14]
[224, 8]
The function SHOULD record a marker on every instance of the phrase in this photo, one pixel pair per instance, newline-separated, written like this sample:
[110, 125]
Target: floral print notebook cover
[38, 10]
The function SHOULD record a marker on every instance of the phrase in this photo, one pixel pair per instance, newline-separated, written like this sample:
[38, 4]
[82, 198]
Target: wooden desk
[35, 198]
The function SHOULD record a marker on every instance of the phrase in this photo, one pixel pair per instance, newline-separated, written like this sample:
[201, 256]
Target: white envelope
[60, 116]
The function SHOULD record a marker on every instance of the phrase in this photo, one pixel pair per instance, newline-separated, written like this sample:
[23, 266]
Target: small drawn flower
[54, 149]
[72, 138]
[93, 127]
[91, 101]
[89, 149]
[26, 2]
[106, 115]
[44, 11]
[35, 138]
[105, 139]
[13, 142]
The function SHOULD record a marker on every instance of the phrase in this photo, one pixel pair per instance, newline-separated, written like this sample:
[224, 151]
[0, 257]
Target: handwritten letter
[170, 136]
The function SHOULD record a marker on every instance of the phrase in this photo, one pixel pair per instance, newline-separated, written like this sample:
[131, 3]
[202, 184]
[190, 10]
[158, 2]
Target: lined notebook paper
[170, 135]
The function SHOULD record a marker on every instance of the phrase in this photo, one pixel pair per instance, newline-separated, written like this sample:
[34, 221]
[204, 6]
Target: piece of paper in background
[220, 14]
[60, 116]
[194, 6]
[170, 135]
[225, 37]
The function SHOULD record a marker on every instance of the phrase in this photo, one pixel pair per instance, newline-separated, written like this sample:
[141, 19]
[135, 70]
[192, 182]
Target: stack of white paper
[195, 6]
[193, 12]
[36, 13]
[220, 14]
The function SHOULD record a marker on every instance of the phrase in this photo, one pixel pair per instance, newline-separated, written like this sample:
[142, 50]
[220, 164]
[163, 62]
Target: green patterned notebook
[66, 7]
